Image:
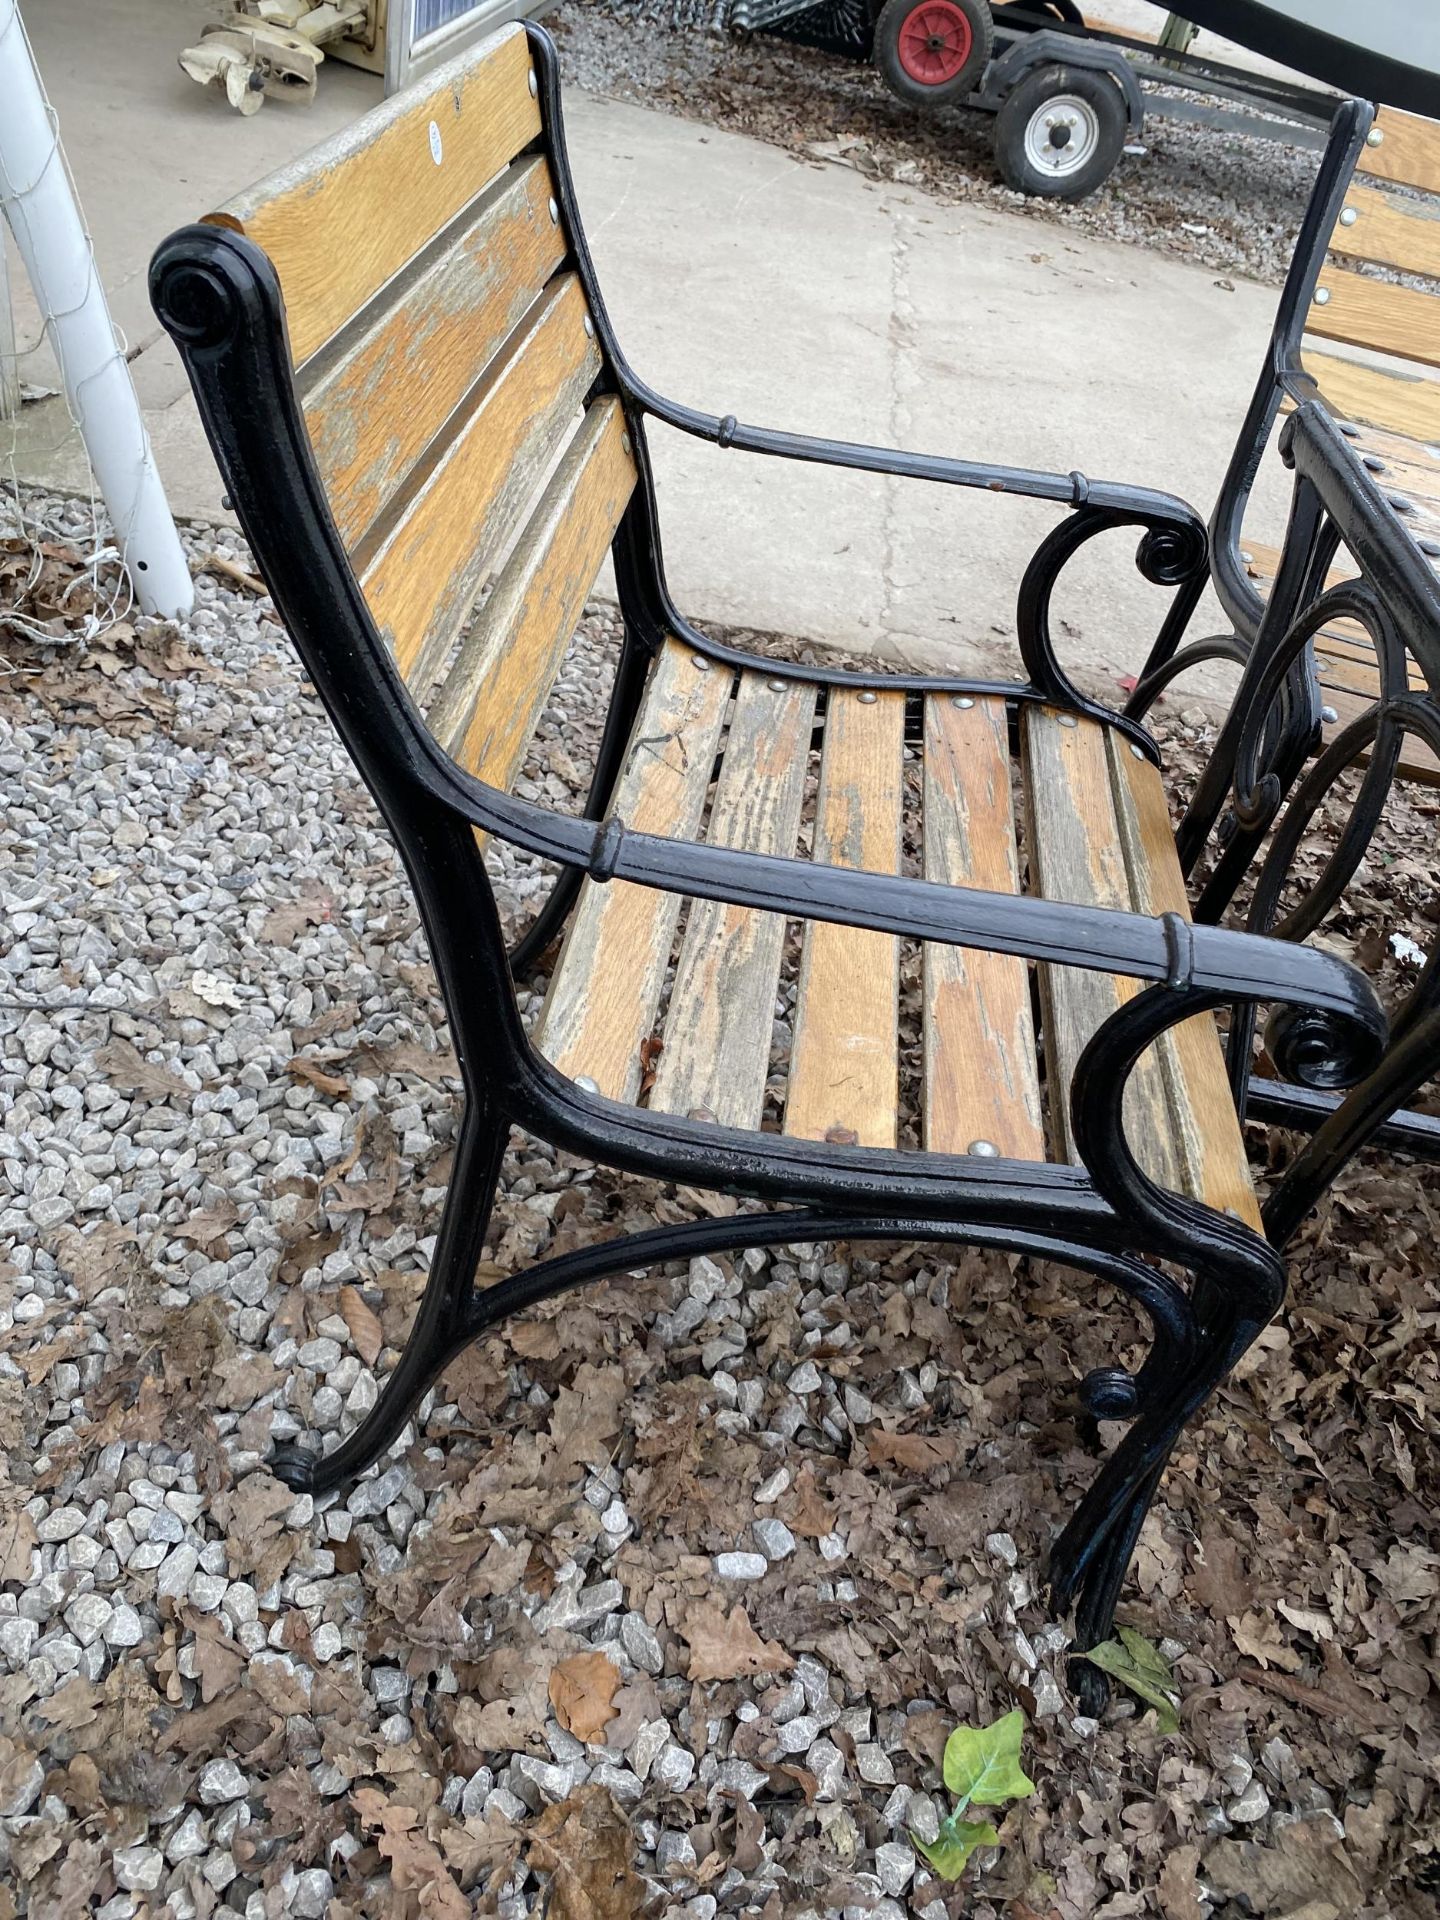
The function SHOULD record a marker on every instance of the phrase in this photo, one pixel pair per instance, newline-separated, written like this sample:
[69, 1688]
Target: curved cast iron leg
[442, 1326]
[1089, 1560]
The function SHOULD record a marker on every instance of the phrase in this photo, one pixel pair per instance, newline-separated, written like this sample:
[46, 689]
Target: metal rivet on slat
[1430, 548]
[983, 1150]
[1322, 296]
[961, 700]
[1372, 463]
[534, 84]
[1067, 720]
[1374, 137]
[776, 686]
[1349, 429]
[554, 214]
[589, 328]
[624, 443]
[1400, 503]
[700, 663]
[1137, 749]
[868, 699]
[586, 1084]
[700, 1113]
[1248, 558]
[1329, 716]
[1349, 217]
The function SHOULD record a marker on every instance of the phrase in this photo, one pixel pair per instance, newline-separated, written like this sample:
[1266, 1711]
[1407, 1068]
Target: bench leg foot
[1089, 1561]
[444, 1324]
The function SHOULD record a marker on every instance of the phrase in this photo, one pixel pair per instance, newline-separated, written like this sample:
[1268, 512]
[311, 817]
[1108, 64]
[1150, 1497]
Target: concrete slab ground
[745, 282]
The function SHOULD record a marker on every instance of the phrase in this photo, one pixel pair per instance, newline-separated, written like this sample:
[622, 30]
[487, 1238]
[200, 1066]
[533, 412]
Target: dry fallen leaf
[581, 1691]
[586, 1846]
[1178, 1893]
[301, 1068]
[727, 1647]
[365, 1328]
[915, 1452]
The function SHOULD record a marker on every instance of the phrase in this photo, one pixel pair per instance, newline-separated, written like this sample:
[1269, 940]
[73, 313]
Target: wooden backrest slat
[495, 691]
[1407, 153]
[343, 219]
[1378, 314]
[458, 521]
[1388, 231]
[375, 400]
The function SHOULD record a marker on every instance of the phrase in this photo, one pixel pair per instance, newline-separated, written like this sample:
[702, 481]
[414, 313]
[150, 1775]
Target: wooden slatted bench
[1359, 324]
[432, 440]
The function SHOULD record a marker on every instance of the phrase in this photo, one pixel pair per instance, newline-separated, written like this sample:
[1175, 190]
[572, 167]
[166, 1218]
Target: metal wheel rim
[1082, 125]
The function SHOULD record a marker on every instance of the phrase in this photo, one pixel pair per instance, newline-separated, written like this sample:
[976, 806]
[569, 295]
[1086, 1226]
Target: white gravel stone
[220, 1782]
[1048, 1698]
[313, 1891]
[1001, 1547]
[769, 1491]
[798, 1735]
[325, 1642]
[653, 1737]
[63, 1523]
[827, 1763]
[673, 1768]
[773, 1538]
[17, 1638]
[139, 1869]
[741, 1566]
[88, 1616]
[873, 1764]
[189, 1840]
[641, 1644]
[894, 1866]
[21, 1789]
[805, 1378]
[1250, 1806]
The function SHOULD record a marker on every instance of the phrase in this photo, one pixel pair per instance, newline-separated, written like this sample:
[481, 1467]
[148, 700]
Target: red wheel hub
[935, 42]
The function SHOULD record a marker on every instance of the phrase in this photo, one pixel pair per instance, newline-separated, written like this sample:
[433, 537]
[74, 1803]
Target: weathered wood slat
[374, 402]
[1076, 855]
[1210, 1146]
[1408, 152]
[379, 188]
[487, 707]
[1406, 403]
[606, 989]
[1377, 314]
[424, 579]
[844, 1065]
[1388, 231]
[981, 1075]
[716, 1053]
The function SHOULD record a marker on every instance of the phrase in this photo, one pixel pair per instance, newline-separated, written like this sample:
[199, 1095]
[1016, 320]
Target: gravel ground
[1228, 203]
[672, 1601]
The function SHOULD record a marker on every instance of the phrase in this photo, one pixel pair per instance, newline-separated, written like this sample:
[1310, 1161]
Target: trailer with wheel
[1068, 98]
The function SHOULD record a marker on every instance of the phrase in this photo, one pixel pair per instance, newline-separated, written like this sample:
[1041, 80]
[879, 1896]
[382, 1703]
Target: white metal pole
[41, 208]
[9, 363]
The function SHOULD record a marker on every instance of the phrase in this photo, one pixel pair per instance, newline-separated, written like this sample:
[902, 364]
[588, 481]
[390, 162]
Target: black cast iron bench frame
[219, 299]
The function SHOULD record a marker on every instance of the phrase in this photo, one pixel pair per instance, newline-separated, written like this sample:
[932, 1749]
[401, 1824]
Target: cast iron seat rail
[431, 440]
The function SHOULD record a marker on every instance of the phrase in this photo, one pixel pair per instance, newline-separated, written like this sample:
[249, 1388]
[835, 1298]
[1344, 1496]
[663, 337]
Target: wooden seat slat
[1388, 231]
[981, 1071]
[380, 189]
[487, 706]
[716, 1053]
[844, 1066]
[1210, 1147]
[422, 582]
[605, 991]
[375, 399]
[1076, 854]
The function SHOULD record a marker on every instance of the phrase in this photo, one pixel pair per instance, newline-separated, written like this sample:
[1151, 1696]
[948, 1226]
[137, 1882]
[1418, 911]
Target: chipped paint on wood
[1210, 1149]
[373, 408]
[981, 1074]
[606, 988]
[507, 664]
[423, 581]
[844, 1069]
[338, 223]
[716, 1055]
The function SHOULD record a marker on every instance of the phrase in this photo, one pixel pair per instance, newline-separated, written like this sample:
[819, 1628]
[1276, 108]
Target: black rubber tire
[892, 18]
[1028, 99]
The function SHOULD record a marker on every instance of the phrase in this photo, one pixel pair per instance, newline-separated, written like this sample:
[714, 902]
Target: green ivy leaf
[1139, 1665]
[954, 1844]
[982, 1764]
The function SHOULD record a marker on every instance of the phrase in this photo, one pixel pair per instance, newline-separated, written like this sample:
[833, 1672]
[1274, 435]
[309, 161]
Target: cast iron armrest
[1334, 1036]
[1067, 489]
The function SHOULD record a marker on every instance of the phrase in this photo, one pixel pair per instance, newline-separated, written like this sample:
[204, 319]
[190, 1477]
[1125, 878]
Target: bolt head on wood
[1137, 749]
[1329, 716]
[554, 214]
[586, 1084]
[1349, 217]
[961, 700]
[775, 686]
[1375, 137]
[700, 663]
[1322, 296]
[984, 1150]
[533, 83]
[1067, 720]
[868, 698]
